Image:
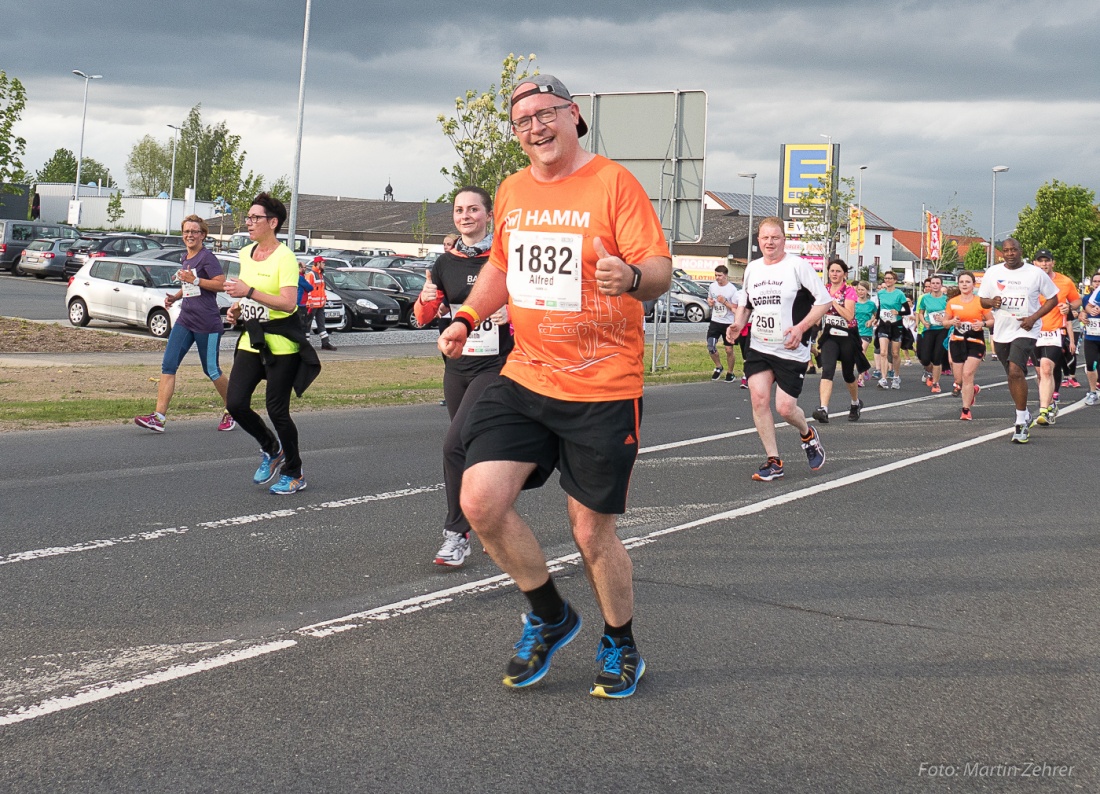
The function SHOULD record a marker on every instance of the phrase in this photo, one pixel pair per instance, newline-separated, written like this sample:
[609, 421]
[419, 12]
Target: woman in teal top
[865, 319]
[892, 306]
[268, 349]
[931, 350]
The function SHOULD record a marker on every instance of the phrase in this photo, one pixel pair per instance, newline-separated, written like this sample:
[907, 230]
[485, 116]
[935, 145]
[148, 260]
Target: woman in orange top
[967, 320]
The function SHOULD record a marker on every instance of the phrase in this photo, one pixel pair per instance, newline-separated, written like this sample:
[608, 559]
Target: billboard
[801, 166]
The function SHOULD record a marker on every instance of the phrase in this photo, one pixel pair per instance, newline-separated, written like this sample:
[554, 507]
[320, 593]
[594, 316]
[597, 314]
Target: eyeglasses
[545, 116]
[257, 218]
[191, 231]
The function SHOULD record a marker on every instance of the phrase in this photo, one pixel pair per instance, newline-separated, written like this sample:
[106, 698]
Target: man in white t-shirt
[722, 298]
[783, 299]
[1020, 294]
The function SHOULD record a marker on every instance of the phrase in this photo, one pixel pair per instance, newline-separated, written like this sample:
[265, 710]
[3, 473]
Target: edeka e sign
[801, 166]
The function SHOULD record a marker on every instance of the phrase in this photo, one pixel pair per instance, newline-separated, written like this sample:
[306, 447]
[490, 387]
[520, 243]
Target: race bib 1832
[544, 270]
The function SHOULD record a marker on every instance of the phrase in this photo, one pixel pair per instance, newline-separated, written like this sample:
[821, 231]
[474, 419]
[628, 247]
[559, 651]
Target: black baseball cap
[1043, 253]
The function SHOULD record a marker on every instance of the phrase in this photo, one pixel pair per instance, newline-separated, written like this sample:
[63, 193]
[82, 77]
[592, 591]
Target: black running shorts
[961, 350]
[1017, 352]
[789, 375]
[593, 445]
[891, 331]
[718, 331]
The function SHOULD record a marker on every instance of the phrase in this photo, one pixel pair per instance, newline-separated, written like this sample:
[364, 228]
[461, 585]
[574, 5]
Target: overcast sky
[929, 95]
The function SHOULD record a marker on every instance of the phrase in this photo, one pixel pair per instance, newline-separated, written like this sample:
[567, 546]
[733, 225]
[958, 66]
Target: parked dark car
[15, 236]
[403, 286]
[365, 306]
[44, 257]
[89, 247]
[388, 261]
[167, 240]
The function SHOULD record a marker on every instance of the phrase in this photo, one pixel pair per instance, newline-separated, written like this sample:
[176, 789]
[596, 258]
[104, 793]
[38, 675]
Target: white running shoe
[454, 551]
[1092, 398]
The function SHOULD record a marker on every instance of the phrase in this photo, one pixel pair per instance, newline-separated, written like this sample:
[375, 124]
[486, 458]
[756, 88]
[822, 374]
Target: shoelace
[532, 636]
[612, 659]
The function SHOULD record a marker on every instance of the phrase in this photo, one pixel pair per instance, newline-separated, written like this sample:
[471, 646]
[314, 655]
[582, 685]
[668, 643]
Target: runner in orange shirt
[1055, 340]
[966, 321]
[577, 247]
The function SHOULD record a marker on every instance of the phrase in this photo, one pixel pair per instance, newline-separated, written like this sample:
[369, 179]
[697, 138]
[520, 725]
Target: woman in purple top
[839, 341]
[199, 323]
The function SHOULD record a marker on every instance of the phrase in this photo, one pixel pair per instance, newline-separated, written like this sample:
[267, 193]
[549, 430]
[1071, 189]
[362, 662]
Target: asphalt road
[926, 601]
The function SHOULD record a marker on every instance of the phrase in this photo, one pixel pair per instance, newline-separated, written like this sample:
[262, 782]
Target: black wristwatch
[637, 278]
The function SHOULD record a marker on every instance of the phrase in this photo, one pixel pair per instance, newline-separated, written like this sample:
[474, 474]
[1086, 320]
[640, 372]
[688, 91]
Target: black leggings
[930, 350]
[460, 392]
[248, 371]
[830, 349]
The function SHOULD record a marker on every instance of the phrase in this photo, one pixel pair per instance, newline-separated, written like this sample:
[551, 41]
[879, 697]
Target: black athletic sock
[808, 437]
[546, 603]
[623, 632]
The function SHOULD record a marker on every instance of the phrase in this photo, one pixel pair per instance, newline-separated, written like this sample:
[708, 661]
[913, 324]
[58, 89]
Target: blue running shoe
[621, 667]
[771, 470]
[269, 467]
[814, 451]
[537, 644]
[288, 484]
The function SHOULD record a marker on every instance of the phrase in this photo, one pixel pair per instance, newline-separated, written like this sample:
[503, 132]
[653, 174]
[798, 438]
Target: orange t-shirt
[1067, 293]
[972, 313]
[571, 343]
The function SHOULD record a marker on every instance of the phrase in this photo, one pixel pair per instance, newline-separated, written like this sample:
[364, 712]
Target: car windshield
[691, 287]
[410, 282]
[162, 275]
[350, 279]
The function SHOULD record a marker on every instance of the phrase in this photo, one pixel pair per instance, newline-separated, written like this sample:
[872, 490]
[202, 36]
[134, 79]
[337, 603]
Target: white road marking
[157, 534]
[110, 689]
[445, 595]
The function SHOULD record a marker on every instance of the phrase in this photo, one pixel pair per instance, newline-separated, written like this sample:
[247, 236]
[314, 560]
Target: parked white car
[124, 290]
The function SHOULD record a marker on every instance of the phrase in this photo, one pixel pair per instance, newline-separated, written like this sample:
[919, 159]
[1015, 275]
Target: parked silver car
[124, 290]
[44, 257]
[693, 295]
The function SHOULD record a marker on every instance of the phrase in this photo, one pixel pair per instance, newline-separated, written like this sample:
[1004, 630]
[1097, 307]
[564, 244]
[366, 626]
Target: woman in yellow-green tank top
[271, 347]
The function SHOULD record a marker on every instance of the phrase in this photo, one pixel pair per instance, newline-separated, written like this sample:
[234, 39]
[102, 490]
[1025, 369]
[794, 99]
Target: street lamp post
[750, 175]
[195, 174]
[171, 180]
[859, 206]
[293, 220]
[1084, 240]
[997, 169]
[828, 208]
[83, 118]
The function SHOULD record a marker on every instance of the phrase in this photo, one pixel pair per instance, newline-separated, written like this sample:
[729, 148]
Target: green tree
[1063, 215]
[149, 167]
[481, 132]
[61, 167]
[13, 98]
[832, 196]
[420, 228]
[975, 258]
[114, 208]
[949, 256]
[280, 189]
[954, 220]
